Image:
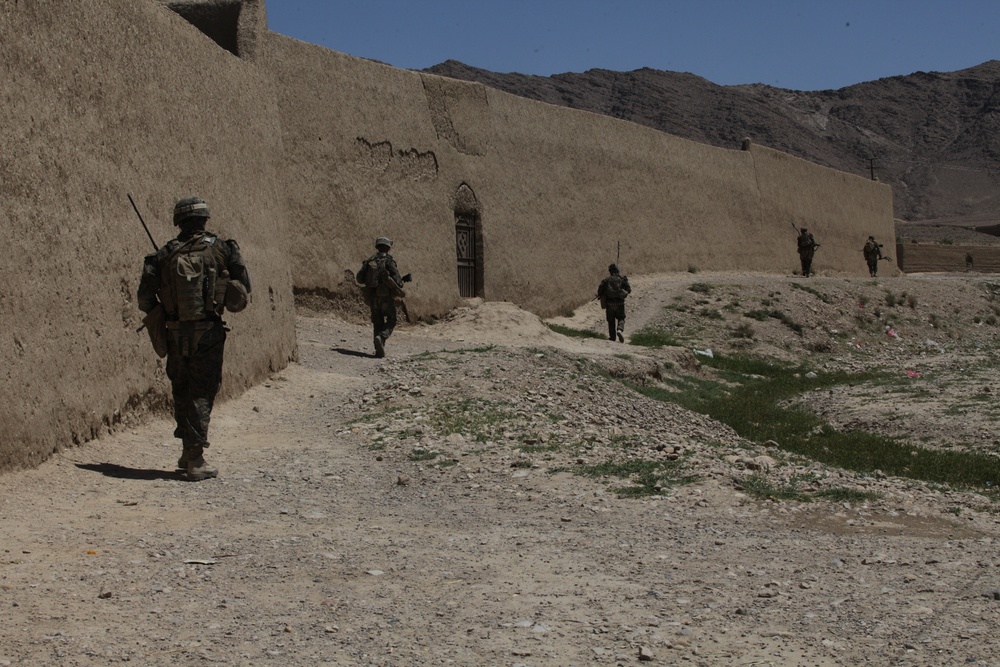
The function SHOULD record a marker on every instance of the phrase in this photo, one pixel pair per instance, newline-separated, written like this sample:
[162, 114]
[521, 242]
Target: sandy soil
[423, 509]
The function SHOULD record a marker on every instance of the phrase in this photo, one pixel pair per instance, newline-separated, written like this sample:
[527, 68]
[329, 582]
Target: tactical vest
[613, 288]
[377, 273]
[193, 279]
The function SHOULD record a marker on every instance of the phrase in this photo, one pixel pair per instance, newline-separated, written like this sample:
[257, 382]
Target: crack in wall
[379, 157]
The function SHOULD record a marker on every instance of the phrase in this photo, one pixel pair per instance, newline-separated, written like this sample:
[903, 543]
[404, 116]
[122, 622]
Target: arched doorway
[468, 243]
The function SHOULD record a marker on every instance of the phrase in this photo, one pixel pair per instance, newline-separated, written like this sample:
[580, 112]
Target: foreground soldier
[873, 253]
[382, 284]
[807, 248]
[184, 290]
[612, 292]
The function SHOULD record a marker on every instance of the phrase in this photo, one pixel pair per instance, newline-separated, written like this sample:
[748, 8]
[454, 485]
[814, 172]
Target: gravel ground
[423, 509]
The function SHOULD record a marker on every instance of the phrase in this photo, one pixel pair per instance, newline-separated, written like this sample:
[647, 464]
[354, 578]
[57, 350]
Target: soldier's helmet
[871, 238]
[612, 268]
[188, 208]
[383, 241]
[804, 230]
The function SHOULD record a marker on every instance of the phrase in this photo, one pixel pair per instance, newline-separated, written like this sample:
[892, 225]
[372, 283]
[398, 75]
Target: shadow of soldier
[123, 472]
[353, 353]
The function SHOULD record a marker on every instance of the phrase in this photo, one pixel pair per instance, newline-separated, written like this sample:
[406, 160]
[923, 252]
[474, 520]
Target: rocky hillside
[934, 137]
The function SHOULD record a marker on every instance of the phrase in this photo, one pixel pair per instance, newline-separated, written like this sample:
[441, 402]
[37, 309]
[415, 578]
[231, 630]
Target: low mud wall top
[947, 258]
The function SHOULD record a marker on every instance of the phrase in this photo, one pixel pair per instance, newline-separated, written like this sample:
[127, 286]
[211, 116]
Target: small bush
[947, 241]
[744, 330]
[701, 288]
[821, 346]
[911, 301]
[692, 268]
[891, 300]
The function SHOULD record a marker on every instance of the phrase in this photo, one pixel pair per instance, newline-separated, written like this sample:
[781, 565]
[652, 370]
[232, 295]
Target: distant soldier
[807, 248]
[873, 253]
[184, 290]
[382, 284]
[612, 292]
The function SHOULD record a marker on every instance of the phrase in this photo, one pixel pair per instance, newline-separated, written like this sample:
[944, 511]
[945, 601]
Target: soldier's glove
[408, 278]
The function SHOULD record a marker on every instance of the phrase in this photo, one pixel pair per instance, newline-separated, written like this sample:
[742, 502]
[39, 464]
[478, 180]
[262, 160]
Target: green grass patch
[475, 419]
[811, 290]
[761, 314]
[700, 288]
[842, 495]
[759, 486]
[574, 333]
[654, 338]
[423, 455]
[748, 396]
[646, 478]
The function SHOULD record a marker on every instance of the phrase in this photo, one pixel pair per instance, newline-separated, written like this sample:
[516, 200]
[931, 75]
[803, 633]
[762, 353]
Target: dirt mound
[490, 323]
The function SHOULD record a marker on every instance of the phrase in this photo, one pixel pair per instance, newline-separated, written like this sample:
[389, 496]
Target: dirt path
[332, 536]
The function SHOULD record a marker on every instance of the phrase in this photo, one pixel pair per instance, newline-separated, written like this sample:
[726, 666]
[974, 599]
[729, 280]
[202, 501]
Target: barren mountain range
[933, 136]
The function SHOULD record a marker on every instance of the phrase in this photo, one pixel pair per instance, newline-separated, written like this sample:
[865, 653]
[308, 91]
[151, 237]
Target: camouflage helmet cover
[612, 268]
[383, 240]
[190, 207]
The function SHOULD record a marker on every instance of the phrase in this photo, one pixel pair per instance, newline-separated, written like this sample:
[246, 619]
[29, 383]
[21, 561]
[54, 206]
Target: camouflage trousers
[194, 366]
[806, 259]
[615, 314]
[383, 312]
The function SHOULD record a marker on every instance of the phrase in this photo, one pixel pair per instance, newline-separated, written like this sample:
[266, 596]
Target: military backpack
[377, 273]
[193, 279]
[613, 290]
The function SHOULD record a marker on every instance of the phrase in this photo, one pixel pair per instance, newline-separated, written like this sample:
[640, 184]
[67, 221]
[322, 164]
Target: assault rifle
[141, 221]
[155, 316]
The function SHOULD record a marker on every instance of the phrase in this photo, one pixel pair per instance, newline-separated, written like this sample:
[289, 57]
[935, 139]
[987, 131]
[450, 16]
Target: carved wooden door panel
[465, 248]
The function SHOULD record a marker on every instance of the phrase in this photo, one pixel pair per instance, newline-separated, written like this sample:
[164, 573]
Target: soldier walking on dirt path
[807, 248]
[612, 292]
[873, 253]
[382, 284]
[185, 288]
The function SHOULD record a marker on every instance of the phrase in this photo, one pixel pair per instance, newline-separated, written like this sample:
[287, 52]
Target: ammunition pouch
[155, 322]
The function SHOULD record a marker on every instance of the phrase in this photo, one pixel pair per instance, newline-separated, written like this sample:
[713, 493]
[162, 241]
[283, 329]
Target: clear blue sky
[796, 44]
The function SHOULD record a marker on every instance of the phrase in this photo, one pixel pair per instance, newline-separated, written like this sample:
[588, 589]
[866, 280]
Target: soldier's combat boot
[621, 338]
[379, 347]
[182, 462]
[197, 468]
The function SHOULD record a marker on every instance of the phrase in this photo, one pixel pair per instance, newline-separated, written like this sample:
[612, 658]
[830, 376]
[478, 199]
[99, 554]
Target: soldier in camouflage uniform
[612, 292]
[188, 283]
[382, 284]
[873, 253]
[807, 245]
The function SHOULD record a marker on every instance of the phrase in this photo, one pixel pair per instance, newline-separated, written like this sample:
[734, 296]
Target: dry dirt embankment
[422, 509]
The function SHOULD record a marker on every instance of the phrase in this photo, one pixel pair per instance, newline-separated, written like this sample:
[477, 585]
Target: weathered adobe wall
[941, 258]
[373, 150]
[100, 99]
[841, 210]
